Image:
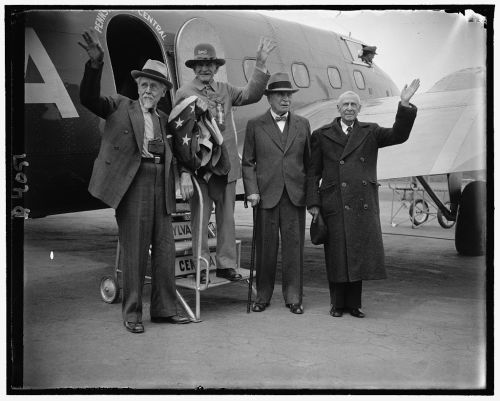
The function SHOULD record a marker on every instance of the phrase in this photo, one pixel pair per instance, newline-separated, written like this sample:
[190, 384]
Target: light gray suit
[274, 166]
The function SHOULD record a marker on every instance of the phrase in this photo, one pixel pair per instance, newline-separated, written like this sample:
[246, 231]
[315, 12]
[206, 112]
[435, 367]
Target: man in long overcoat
[344, 157]
[275, 159]
[133, 174]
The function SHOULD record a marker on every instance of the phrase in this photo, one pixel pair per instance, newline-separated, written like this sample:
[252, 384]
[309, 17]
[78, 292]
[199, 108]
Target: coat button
[346, 207]
[341, 162]
[344, 184]
[365, 206]
[126, 131]
[364, 182]
[362, 159]
[107, 162]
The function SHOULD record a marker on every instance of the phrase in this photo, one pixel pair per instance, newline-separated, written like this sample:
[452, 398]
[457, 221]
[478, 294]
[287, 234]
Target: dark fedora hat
[369, 49]
[204, 52]
[153, 69]
[279, 82]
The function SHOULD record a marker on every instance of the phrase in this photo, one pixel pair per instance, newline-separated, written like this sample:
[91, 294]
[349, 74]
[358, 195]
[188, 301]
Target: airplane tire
[442, 220]
[110, 291]
[421, 212]
[470, 231]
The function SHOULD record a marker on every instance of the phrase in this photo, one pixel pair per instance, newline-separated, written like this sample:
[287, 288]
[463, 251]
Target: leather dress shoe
[295, 308]
[176, 319]
[356, 313]
[336, 312]
[134, 327]
[259, 307]
[228, 274]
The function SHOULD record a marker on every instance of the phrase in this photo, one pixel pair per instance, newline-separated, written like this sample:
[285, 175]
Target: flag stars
[192, 107]
[179, 123]
[185, 140]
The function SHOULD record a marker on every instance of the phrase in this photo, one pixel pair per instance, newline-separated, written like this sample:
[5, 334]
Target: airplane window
[248, 66]
[334, 77]
[359, 79]
[300, 75]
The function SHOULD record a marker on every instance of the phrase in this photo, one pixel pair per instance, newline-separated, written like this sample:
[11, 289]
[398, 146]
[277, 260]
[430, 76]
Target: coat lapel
[292, 131]
[356, 138]
[335, 133]
[269, 126]
[137, 119]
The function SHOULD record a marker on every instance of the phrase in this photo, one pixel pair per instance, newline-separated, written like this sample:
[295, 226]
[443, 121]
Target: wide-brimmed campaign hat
[279, 82]
[153, 69]
[204, 52]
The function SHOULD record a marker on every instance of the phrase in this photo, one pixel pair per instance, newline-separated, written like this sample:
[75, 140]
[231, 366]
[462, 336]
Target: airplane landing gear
[442, 220]
[470, 231]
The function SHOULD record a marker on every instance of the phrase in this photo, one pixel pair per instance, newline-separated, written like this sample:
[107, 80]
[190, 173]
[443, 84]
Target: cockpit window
[353, 51]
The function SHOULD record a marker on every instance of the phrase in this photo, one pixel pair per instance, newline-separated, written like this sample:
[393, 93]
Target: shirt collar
[276, 115]
[200, 85]
[144, 110]
[344, 126]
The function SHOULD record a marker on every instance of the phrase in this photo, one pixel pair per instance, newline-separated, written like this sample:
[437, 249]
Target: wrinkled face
[349, 109]
[150, 91]
[280, 101]
[205, 70]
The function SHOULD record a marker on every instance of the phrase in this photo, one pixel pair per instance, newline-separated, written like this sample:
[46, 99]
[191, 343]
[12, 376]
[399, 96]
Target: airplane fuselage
[61, 137]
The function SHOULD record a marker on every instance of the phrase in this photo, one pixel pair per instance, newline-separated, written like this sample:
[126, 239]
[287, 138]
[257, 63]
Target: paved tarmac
[425, 327]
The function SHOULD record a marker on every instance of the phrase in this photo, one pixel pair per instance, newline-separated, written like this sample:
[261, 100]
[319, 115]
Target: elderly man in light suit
[133, 174]
[275, 157]
[220, 98]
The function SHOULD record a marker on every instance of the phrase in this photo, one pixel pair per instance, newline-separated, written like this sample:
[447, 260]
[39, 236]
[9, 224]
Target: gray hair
[348, 93]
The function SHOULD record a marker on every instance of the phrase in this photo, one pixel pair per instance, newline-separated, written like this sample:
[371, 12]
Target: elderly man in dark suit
[275, 157]
[344, 157]
[133, 174]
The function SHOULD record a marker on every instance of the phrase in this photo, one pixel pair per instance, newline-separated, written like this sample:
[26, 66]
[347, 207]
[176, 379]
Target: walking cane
[252, 261]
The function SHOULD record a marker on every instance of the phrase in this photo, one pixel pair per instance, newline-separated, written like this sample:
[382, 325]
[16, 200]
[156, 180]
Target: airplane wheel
[110, 291]
[421, 212]
[470, 231]
[442, 220]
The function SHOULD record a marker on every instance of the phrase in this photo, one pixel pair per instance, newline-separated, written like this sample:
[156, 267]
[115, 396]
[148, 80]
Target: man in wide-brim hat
[220, 98]
[275, 159]
[133, 174]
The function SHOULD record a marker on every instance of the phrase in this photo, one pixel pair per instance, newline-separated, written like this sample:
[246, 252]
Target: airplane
[53, 159]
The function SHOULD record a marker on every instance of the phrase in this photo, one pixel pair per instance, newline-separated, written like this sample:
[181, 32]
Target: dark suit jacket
[119, 155]
[269, 166]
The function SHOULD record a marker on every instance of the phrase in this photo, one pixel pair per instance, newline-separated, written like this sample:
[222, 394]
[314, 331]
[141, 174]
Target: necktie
[280, 118]
[156, 124]
[349, 130]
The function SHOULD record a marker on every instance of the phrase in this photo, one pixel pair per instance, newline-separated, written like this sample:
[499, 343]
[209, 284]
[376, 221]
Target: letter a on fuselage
[52, 90]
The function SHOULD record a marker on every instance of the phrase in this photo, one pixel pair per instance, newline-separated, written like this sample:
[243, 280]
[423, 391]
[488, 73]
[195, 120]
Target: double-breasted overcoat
[348, 193]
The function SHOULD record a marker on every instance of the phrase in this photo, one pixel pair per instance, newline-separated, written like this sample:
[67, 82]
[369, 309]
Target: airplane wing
[449, 134]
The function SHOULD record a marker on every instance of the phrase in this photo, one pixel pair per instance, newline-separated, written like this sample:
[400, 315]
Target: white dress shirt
[281, 124]
[345, 126]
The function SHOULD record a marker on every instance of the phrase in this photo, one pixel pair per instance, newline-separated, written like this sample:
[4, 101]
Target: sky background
[410, 44]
